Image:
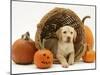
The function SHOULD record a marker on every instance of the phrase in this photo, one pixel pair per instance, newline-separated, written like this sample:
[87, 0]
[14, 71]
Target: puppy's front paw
[70, 62]
[65, 65]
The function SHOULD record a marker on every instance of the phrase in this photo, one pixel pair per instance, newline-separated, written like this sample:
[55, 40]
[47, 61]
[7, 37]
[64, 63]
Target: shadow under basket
[52, 21]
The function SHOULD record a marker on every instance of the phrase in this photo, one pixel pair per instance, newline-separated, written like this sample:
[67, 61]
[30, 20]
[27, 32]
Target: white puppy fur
[66, 35]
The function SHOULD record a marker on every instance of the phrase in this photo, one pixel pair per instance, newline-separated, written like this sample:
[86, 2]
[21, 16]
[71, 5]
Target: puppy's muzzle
[68, 39]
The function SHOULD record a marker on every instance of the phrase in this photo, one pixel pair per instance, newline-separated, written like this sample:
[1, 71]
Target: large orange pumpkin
[23, 50]
[89, 37]
[43, 59]
[88, 34]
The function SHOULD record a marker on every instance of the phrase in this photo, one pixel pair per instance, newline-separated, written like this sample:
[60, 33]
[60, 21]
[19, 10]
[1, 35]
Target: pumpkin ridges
[89, 55]
[20, 54]
[23, 51]
[89, 37]
[89, 59]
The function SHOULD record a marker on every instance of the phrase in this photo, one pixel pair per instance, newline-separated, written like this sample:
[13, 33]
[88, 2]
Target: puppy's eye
[64, 32]
[71, 32]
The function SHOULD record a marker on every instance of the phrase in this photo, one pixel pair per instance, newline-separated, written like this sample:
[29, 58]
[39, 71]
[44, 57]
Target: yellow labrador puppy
[65, 51]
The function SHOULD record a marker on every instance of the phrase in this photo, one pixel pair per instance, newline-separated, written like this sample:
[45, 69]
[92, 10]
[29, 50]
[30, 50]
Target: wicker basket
[55, 19]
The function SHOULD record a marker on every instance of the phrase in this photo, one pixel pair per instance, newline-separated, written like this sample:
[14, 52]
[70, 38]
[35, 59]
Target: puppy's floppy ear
[75, 35]
[58, 34]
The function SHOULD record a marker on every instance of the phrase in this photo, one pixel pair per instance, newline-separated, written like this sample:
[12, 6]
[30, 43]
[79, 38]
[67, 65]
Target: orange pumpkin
[88, 34]
[23, 50]
[89, 37]
[43, 58]
[89, 56]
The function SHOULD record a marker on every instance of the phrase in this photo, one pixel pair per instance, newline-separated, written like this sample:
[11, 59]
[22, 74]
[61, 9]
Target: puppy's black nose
[68, 38]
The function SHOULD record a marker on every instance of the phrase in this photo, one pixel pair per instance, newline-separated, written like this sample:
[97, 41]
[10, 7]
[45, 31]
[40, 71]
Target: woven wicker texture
[56, 18]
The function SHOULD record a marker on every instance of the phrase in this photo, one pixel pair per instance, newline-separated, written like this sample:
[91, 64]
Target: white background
[26, 16]
[5, 37]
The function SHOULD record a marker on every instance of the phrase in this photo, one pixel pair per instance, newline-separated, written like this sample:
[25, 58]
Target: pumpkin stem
[42, 44]
[83, 20]
[26, 36]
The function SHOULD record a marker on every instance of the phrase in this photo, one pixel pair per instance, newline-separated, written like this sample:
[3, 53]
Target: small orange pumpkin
[89, 56]
[43, 58]
[23, 50]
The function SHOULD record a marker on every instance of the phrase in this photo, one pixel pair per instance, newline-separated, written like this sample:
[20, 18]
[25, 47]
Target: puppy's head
[66, 34]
